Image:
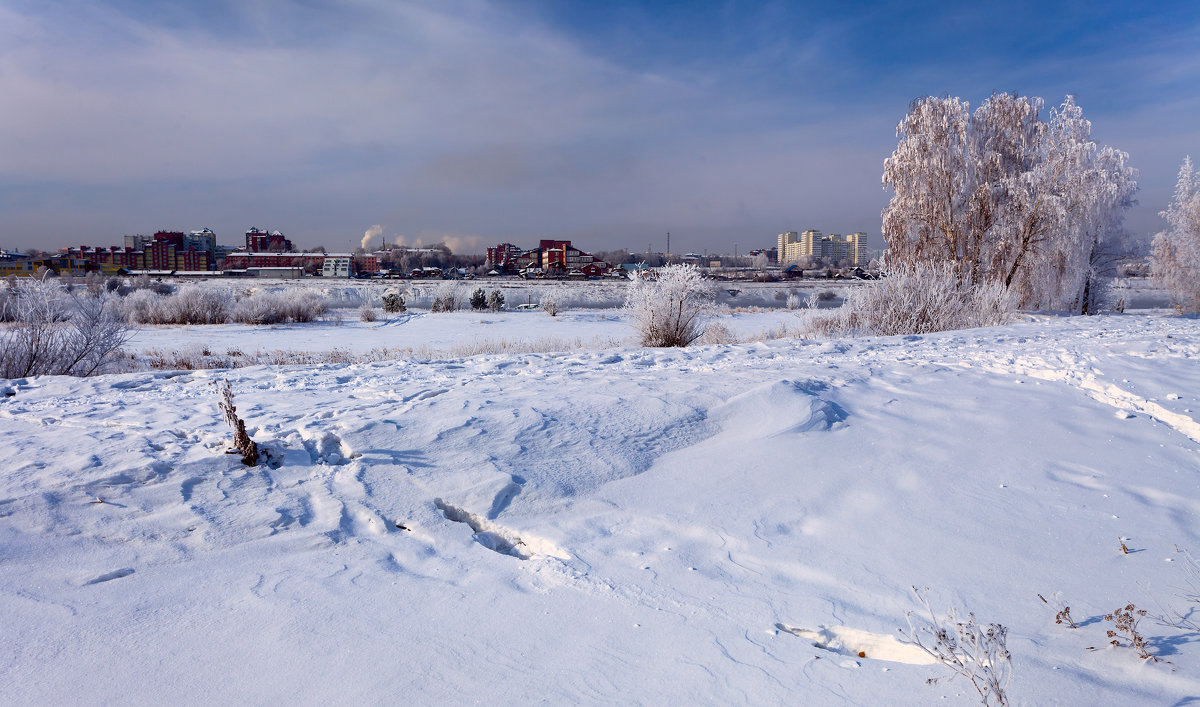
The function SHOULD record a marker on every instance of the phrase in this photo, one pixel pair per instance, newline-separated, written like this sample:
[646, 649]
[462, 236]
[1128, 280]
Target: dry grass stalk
[975, 652]
[241, 440]
[1064, 612]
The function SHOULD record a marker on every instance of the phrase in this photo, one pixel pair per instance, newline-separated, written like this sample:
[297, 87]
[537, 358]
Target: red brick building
[310, 262]
[166, 250]
[503, 257]
[240, 260]
[259, 241]
[553, 258]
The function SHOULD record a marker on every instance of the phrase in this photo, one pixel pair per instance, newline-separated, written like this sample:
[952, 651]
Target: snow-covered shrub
[1175, 258]
[970, 650]
[447, 297]
[793, 301]
[367, 313]
[142, 307]
[300, 306]
[551, 300]
[673, 309]
[7, 297]
[717, 333]
[495, 301]
[194, 304]
[291, 305]
[57, 333]
[191, 305]
[393, 302]
[94, 282]
[917, 298]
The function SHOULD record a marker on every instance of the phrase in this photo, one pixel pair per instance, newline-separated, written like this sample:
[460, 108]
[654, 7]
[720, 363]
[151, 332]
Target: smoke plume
[370, 234]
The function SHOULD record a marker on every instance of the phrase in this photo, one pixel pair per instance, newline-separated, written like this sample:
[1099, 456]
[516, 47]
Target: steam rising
[457, 242]
[370, 235]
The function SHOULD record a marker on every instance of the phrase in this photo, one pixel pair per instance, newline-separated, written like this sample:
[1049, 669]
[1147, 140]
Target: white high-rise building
[793, 246]
[203, 239]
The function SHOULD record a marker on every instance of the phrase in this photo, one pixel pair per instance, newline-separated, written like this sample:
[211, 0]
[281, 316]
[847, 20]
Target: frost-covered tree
[1175, 254]
[1077, 193]
[552, 300]
[53, 332]
[926, 218]
[1035, 205]
[672, 309]
[478, 300]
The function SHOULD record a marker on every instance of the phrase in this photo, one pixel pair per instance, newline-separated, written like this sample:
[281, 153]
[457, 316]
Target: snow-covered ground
[726, 524]
[440, 334]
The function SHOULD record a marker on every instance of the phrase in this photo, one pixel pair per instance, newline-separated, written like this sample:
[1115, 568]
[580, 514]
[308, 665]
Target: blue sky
[476, 122]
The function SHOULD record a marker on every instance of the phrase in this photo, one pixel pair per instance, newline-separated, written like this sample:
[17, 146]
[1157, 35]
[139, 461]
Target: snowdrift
[729, 524]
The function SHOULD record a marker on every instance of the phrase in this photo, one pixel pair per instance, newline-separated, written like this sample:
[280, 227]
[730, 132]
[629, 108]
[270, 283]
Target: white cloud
[457, 116]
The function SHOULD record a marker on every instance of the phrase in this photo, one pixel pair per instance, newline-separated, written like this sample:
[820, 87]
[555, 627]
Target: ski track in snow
[603, 475]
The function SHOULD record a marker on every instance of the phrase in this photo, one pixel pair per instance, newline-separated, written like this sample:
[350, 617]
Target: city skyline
[477, 122]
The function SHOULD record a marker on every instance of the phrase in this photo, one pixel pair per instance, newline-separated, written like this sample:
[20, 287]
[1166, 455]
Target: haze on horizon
[474, 121]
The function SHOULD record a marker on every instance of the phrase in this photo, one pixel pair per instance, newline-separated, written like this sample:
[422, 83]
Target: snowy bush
[1175, 258]
[191, 305]
[300, 306]
[672, 310]
[717, 333]
[7, 298]
[56, 333]
[918, 298]
[970, 650]
[367, 313]
[279, 307]
[495, 301]
[793, 301]
[393, 302]
[447, 297]
[198, 305]
[94, 282]
[552, 300]
[141, 307]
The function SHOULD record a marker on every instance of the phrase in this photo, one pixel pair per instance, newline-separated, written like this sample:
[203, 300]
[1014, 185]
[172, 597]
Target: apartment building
[793, 246]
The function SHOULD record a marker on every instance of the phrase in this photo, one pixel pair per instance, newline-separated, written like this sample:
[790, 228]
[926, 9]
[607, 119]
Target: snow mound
[852, 642]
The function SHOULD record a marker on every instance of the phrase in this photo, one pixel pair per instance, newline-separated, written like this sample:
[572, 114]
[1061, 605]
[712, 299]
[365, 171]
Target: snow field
[725, 524]
[444, 335]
